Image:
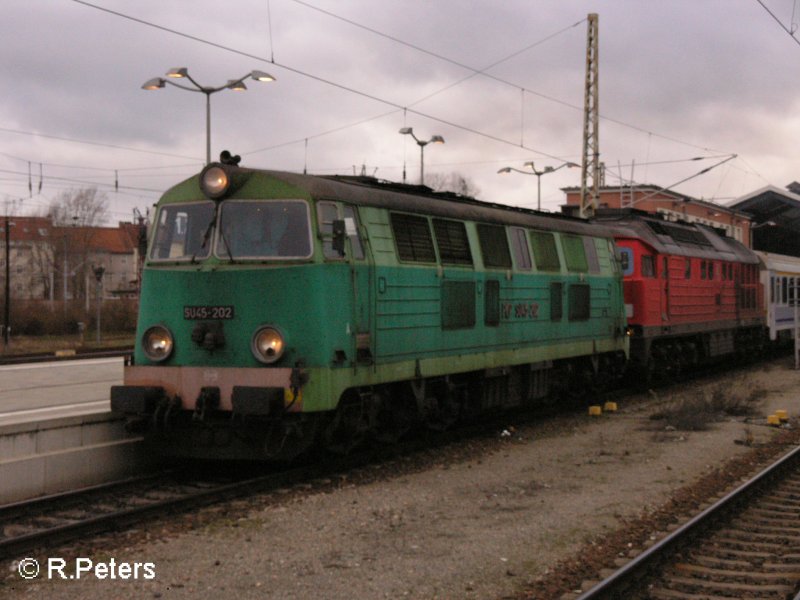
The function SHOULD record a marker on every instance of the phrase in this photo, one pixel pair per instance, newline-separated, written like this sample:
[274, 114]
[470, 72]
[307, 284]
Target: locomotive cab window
[261, 229]
[327, 213]
[626, 260]
[183, 232]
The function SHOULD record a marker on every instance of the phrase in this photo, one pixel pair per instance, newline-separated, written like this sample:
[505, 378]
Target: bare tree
[74, 214]
[452, 182]
[85, 207]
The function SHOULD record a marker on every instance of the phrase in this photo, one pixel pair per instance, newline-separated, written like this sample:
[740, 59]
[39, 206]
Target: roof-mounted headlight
[215, 181]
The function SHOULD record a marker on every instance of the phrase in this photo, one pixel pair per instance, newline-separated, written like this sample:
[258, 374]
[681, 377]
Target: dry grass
[699, 409]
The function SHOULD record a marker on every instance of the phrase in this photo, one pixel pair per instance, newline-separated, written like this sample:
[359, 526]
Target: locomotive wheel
[441, 406]
[395, 417]
[346, 431]
[285, 441]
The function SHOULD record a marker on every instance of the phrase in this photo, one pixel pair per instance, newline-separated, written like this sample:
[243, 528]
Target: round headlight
[157, 343]
[267, 345]
[214, 181]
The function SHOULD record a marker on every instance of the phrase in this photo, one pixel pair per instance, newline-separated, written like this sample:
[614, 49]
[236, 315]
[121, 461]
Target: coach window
[545, 254]
[648, 265]
[702, 269]
[452, 242]
[519, 246]
[711, 269]
[494, 246]
[412, 234]
[687, 269]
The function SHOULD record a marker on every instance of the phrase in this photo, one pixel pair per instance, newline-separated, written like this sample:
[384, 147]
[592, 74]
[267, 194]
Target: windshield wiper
[225, 243]
[206, 235]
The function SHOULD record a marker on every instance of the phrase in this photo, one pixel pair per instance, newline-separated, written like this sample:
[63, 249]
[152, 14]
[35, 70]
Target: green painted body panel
[409, 314]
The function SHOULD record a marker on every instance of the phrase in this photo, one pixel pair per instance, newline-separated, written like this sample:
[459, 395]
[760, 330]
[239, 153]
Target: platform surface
[43, 391]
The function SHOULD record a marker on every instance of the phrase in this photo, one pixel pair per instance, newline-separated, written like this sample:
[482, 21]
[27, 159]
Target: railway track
[746, 545]
[50, 520]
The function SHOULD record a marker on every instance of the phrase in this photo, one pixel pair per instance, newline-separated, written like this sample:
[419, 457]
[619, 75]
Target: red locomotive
[692, 294]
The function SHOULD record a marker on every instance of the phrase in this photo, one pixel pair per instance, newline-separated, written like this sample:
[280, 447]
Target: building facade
[674, 206]
[49, 262]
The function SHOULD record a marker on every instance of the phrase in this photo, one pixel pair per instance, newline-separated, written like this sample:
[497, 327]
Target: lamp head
[407, 131]
[153, 84]
[437, 139]
[261, 76]
[236, 86]
[178, 73]
[504, 170]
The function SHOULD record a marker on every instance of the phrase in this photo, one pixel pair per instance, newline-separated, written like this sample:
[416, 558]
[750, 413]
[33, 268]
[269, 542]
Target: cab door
[343, 240]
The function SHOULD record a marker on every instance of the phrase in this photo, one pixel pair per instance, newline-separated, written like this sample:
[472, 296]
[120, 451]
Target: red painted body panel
[681, 290]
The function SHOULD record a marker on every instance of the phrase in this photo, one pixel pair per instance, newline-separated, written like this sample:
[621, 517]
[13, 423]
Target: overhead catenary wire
[393, 111]
[362, 93]
[779, 22]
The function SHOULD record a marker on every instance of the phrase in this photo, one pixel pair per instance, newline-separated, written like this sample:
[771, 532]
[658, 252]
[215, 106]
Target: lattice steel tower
[591, 175]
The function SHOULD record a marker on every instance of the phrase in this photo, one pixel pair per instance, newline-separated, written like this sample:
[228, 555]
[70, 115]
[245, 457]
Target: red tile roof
[116, 240]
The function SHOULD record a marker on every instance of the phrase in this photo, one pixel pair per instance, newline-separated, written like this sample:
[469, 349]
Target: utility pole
[7, 315]
[98, 274]
[590, 175]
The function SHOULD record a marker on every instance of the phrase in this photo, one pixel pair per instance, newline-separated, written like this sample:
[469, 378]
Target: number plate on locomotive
[207, 312]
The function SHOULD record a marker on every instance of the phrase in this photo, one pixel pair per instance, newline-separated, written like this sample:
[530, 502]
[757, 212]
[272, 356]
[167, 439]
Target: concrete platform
[60, 454]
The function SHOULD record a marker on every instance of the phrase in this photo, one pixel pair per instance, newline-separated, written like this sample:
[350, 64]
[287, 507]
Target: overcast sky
[678, 80]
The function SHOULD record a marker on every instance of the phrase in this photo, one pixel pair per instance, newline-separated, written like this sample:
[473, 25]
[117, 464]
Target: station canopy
[776, 218]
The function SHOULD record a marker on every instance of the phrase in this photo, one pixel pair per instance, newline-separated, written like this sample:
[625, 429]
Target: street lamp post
[183, 73]
[436, 139]
[533, 171]
[98, 274]
[7, 314]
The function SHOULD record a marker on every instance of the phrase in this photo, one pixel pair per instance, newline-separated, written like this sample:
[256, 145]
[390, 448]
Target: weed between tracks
[698, 409]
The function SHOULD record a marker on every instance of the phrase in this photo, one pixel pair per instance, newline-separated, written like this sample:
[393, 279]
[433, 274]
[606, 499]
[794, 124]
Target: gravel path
[488, 522]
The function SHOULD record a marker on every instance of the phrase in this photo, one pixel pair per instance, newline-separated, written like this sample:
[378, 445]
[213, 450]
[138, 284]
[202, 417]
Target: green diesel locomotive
[280, 311]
